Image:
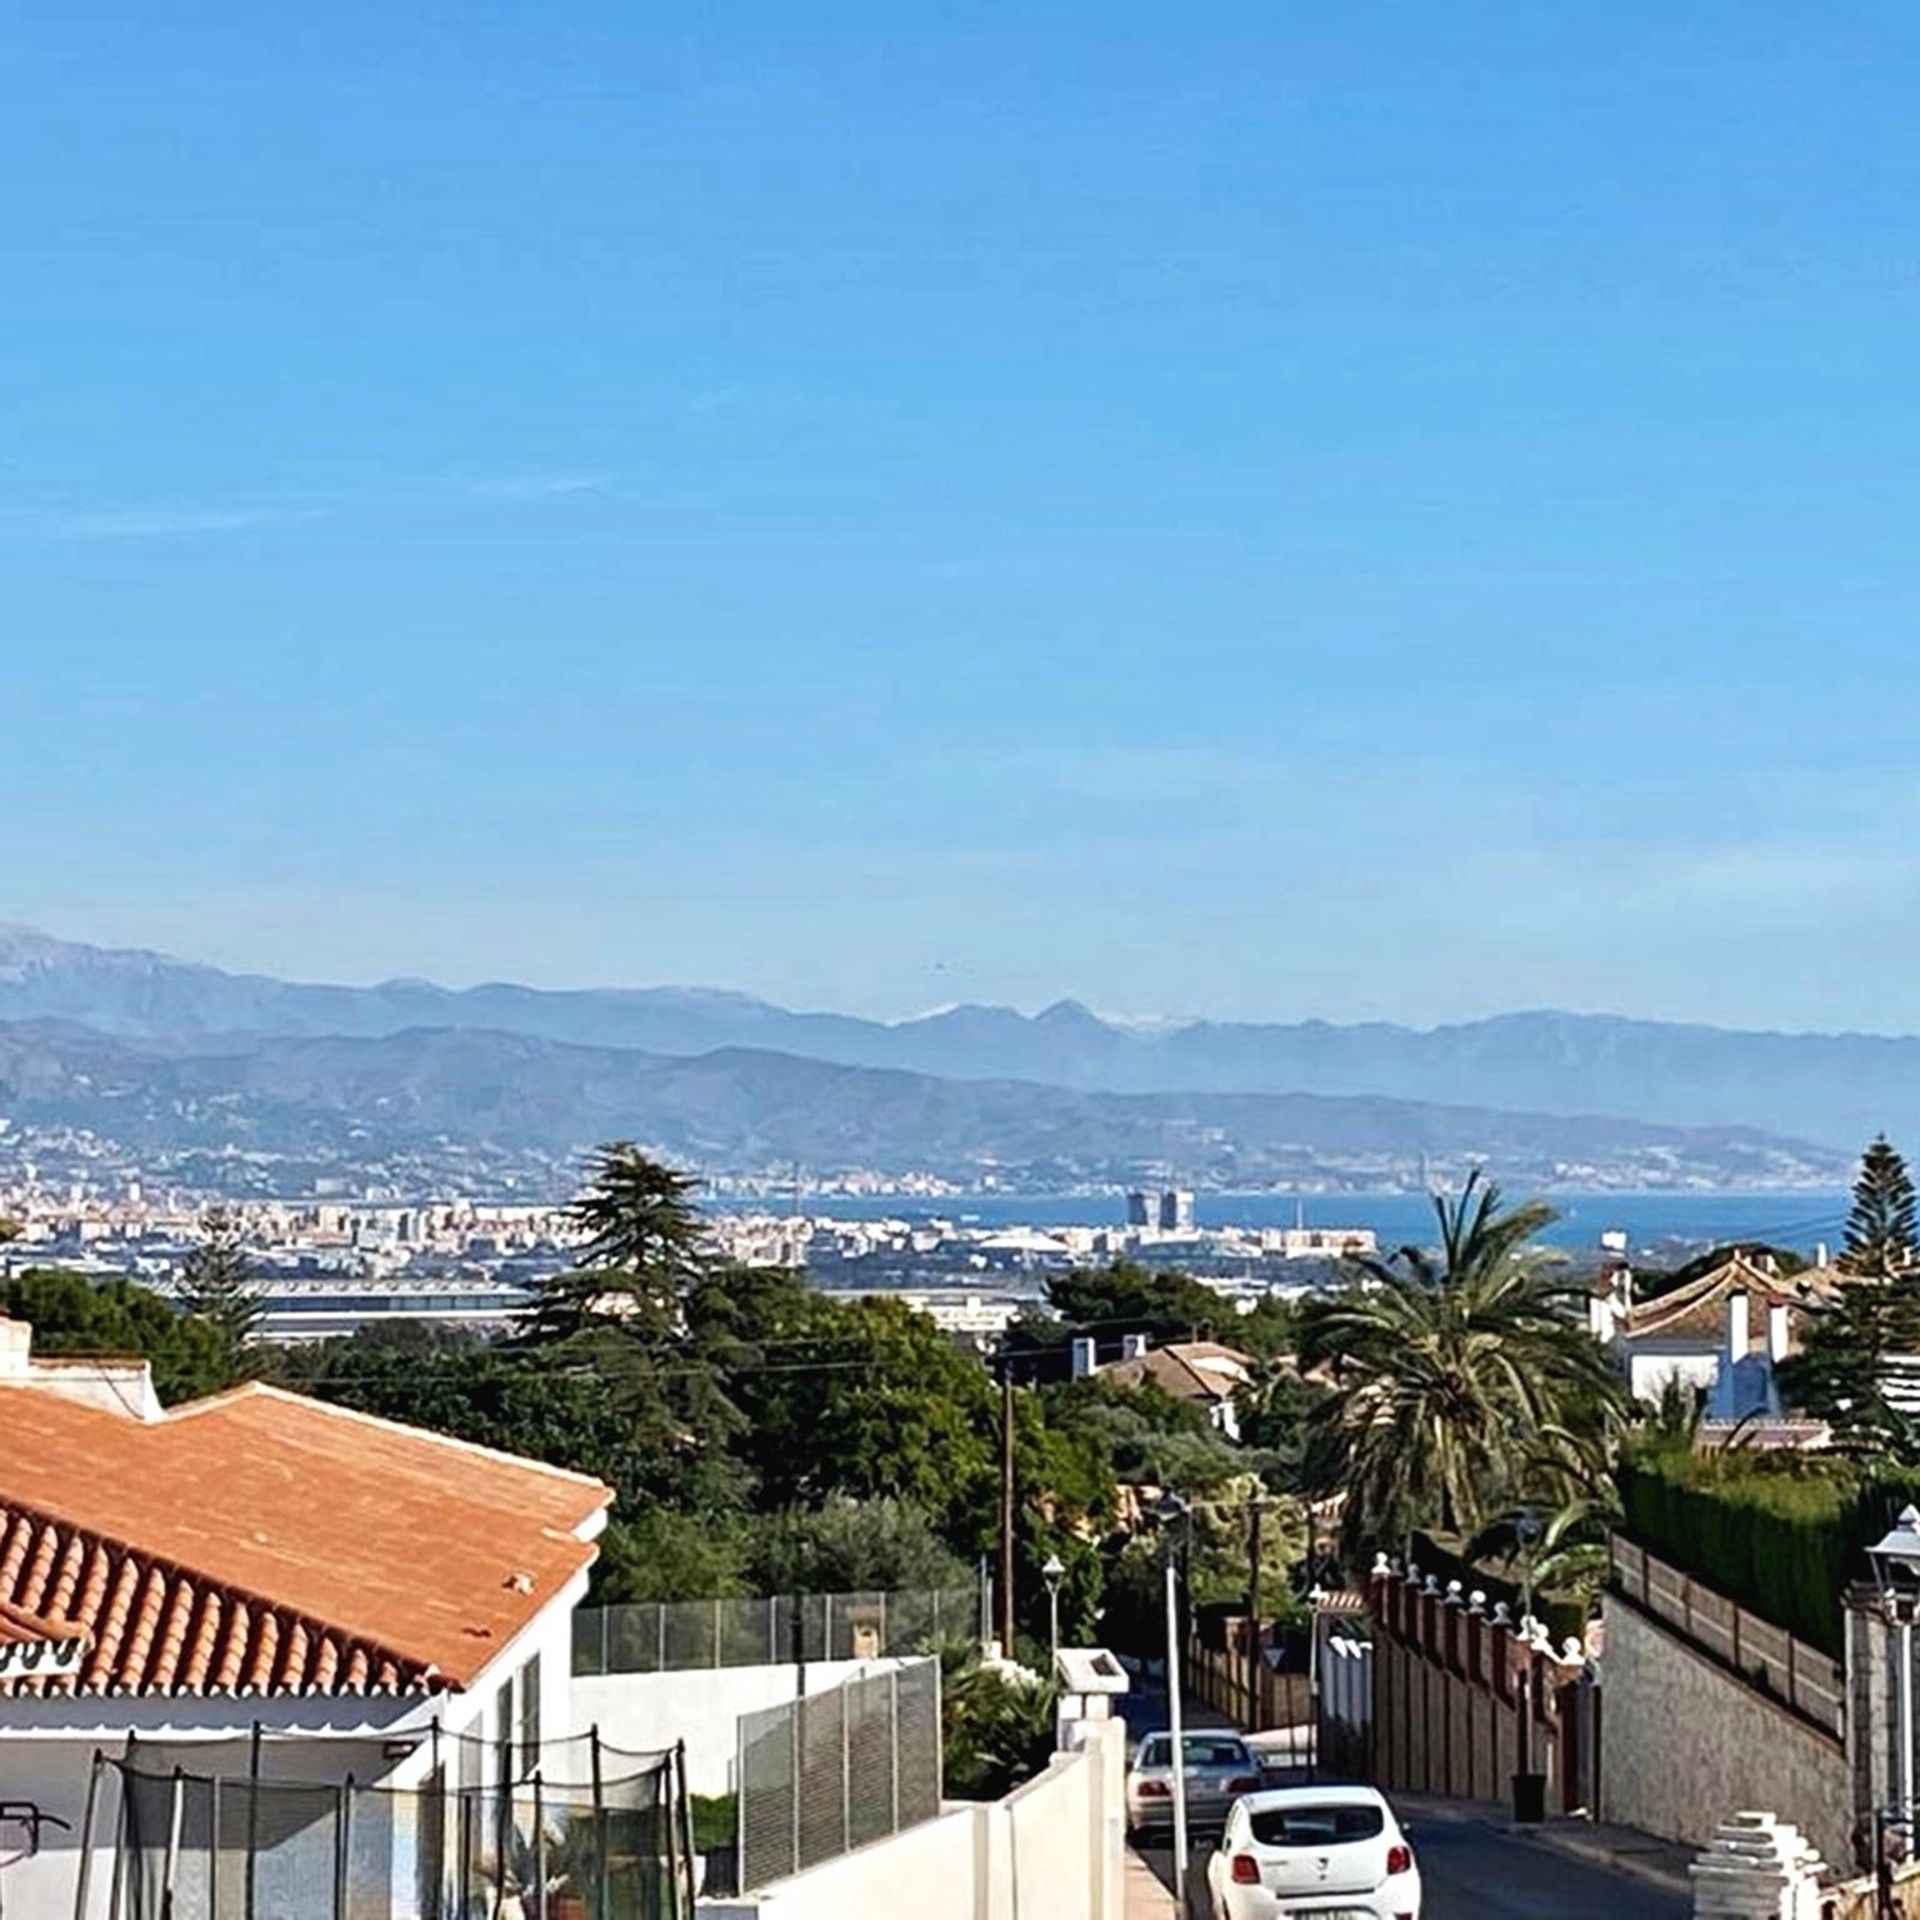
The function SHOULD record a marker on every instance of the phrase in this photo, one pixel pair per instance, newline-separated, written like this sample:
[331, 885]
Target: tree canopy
[217, 1284]
[73, 1314]
[1840, 1374]
[759, 1434]
[1463, 1383]
[1880, 1232]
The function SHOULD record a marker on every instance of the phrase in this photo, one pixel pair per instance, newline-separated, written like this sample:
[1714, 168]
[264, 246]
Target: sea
[1801, 1218]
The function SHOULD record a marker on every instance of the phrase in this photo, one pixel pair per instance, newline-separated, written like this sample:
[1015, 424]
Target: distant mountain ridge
[1837, 1089]
[369, 1100]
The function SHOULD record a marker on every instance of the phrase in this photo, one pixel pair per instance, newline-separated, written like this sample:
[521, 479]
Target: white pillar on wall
[1758, 1868]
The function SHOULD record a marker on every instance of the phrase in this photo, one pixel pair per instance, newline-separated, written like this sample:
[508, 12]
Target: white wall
[1053, 1850]
[641, 1712]
[1649, 1372]
[47, 1747]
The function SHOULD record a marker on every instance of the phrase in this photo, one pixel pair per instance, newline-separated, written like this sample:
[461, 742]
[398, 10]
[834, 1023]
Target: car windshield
[1327, 1825]
[1200, 1750]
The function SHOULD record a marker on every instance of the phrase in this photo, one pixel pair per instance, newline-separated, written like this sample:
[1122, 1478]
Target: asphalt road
[1474, 1869]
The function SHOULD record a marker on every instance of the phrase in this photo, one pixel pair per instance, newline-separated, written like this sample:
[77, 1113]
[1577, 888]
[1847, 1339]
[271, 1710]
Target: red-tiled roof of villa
[261, 1542]
[37, 1646]
[1179, 1368]
[1698, 1307]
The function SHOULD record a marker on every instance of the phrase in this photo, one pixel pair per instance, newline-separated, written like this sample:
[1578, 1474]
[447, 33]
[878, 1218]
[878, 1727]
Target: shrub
[1783, 1534]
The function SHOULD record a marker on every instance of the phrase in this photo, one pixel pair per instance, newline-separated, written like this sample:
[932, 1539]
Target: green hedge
[1783, 1534]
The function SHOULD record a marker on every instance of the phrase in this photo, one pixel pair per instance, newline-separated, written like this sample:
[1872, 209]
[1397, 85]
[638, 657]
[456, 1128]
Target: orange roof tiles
[1176, 1368]
[1698, 1309]
[261, 1542]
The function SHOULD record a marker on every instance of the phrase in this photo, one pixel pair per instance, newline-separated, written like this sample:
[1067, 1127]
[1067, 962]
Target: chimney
[1133, 1346]
[1083, 1360]
[16, 1349]
[1738, 1331]
[1777, 1332]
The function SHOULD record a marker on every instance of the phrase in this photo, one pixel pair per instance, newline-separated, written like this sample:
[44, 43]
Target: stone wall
[1682, 1740]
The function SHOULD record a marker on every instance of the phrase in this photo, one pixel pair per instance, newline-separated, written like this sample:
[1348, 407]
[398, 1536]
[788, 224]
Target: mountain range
[369, 1103]
[1836, 1090]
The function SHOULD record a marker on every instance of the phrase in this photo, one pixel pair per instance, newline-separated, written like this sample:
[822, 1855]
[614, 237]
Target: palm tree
[1464, 1385]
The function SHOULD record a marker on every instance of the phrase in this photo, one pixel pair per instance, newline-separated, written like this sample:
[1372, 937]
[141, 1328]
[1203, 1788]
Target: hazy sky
[1400, 510]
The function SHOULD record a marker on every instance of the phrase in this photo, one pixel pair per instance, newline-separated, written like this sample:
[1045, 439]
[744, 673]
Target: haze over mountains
[1834, 1089]
[536, 1104]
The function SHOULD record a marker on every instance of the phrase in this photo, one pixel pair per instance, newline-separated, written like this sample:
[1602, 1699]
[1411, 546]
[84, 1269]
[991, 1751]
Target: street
[1473, 1864]
[1475, 1869]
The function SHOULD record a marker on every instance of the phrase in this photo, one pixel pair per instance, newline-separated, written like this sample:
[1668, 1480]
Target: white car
[1336, 1853]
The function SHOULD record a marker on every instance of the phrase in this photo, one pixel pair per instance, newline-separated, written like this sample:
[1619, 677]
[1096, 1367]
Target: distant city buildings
[1167, 1211]
[328, 1266]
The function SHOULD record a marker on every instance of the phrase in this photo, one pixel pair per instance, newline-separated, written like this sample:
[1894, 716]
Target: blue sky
[1389, 511]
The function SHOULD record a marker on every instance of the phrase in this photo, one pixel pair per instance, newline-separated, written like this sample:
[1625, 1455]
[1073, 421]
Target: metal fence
[821, 1776]
[664, 1636]
[196, 1846]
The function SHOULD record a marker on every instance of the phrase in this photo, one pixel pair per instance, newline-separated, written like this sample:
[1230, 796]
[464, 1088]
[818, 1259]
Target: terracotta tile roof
[38, 1645]
[1177, 1368]
[261, 1542]
[1698, 1309]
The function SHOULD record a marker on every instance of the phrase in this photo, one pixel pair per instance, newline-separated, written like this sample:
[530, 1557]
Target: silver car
[1219, 1768]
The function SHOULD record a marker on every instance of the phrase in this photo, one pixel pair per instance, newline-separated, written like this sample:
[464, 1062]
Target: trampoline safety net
[193, 1846]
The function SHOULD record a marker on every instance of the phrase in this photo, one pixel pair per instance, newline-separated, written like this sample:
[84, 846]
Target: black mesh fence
[608, 1845]
[673, 1635]
[823, 1775]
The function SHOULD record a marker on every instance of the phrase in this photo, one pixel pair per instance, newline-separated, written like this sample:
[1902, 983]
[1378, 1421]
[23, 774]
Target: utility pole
[1006, 1509]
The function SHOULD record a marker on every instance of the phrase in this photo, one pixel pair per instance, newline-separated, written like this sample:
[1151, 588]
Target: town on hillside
[692, 1586]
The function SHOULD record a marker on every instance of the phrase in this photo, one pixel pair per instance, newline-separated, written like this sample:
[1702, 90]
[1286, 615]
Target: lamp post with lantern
[1895, 1558]
[1053, 1572]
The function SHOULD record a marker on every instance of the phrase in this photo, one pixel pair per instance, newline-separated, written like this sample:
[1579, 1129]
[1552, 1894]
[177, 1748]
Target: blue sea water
[1800, 1218]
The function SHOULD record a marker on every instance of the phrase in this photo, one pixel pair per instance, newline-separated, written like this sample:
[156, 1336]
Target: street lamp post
[1053, 1573]
[1172, 1507]
[1896, 1572]
[1529, 1783]
[1527, 1531]
[1317, 1597]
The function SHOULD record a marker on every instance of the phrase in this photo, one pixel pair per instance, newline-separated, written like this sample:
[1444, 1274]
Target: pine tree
[1840, 1373]
[642, 1251]
[218, 1286]
[1881, 1223]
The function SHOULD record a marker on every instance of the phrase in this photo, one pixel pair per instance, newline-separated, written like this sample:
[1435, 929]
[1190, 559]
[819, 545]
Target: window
[527, 1685]
[1198, 1750]
[1334, 1825]
[503, 1730]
